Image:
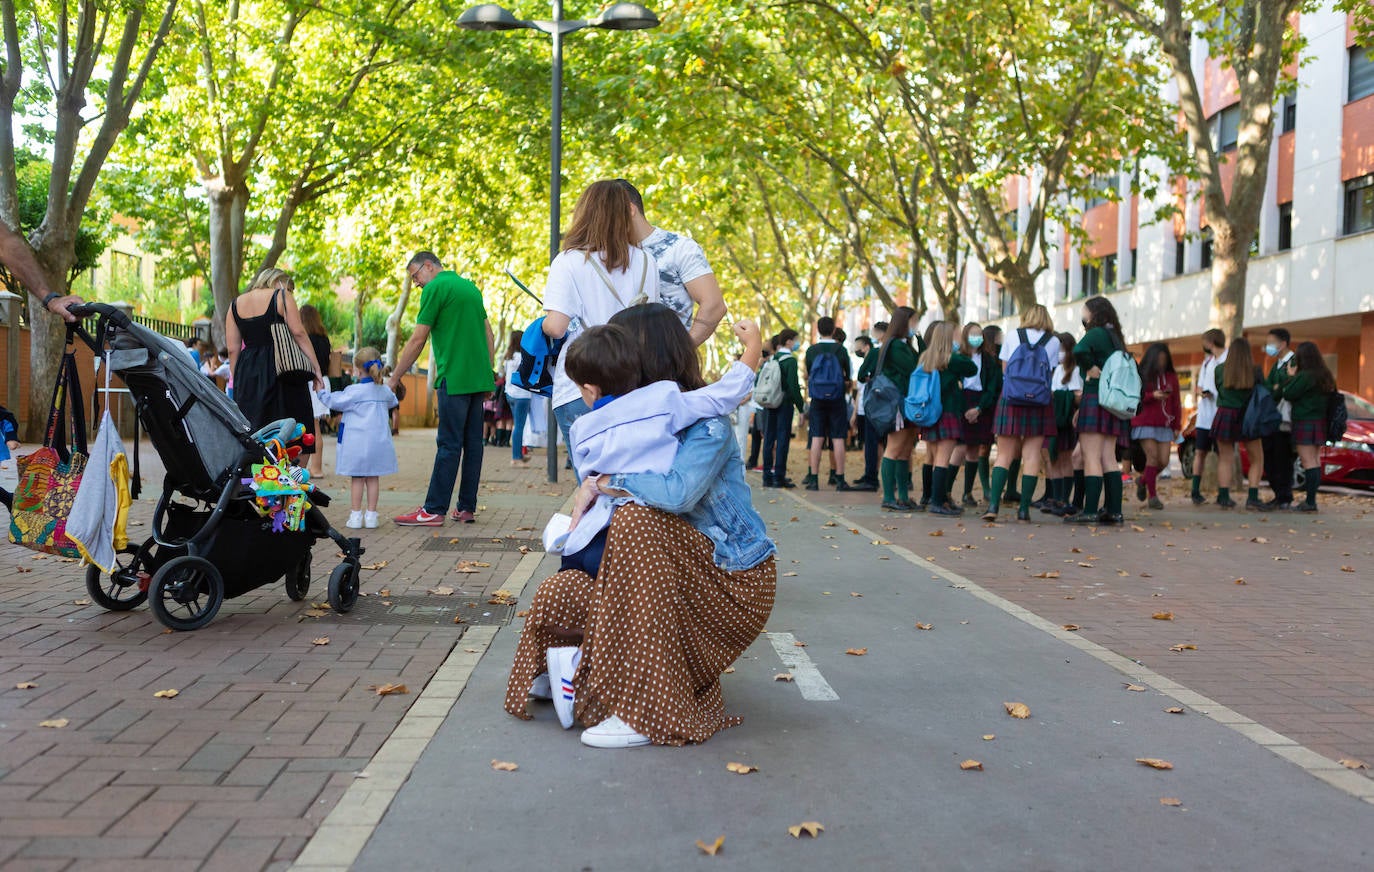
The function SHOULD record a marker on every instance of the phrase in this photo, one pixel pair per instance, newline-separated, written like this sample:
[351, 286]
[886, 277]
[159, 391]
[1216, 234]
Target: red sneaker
[462, 516]
[419, 518]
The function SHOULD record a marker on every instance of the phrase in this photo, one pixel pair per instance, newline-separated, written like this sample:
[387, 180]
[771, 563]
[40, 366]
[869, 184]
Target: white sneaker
[613, 733]
[355, 520]
[370, 520]
[541, 688]
[562, 667]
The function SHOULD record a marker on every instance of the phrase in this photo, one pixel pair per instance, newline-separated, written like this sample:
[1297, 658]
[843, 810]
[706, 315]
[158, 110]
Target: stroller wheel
[343, 588]
[119, 591]
[186, 593]
[298, 579]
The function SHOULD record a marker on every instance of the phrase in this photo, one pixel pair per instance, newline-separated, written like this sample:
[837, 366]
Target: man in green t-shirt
[451, 312]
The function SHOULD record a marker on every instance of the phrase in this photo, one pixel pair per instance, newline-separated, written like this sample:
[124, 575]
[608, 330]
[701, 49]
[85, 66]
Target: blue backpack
[825, 379]
[538, 357]
[922, 406]
[1026, 381]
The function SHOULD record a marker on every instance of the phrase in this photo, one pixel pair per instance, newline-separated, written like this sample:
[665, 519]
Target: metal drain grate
[429, 611]
[478, 543]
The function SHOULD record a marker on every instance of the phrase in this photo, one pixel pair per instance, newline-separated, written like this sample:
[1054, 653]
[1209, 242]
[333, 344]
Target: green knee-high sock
[983, 478]
[903, 475]
[1012, 473]
[926, 472]
[1028, 483]
[1312, 479]
[1077, 498]
[1223, 494]
[999, 486]
[1197, 485]
[970, 475]
[1252, 495]
[887, 474]
[1092, 493]
[939, 486]
[1113, 487]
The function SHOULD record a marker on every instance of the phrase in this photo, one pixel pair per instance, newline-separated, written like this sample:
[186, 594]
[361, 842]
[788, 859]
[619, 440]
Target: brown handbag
[289, 360]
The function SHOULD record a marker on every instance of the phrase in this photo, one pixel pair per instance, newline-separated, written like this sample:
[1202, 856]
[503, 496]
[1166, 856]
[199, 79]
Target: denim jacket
[706, 487]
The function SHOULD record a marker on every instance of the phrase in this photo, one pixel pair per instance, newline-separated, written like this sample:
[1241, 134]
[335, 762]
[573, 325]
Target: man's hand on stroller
[59, 305]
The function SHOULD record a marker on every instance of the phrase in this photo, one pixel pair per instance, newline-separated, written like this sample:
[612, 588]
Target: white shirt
[1011, 339]
[513, 390]
[1075, 380]
[975, 381]
[680, 260]
[576, 288]
[1285, 407]
[1207, 383]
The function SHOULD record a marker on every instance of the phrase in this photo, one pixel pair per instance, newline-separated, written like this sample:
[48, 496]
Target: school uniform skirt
[1226, 425]
[1092, 418]
[950, 426]
[1310, 431]
[1020, 421]
[977, 432]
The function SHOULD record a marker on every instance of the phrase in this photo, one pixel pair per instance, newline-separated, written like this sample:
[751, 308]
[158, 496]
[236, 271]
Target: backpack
[922, 406]
[1337, 417]
[1262, 416]
[1026, 380]
[1118, 389]
[882, 400]
[768, 391]
[9, 424]
[825, 380]
[538, 357]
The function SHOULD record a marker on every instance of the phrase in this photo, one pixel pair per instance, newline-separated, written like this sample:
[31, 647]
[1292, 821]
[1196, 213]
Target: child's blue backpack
[1026, 381]
[538, 357]
[825, 380]
[922, 406]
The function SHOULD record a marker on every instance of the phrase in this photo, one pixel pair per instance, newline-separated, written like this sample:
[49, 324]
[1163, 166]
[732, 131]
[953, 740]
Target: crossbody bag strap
[605, 278]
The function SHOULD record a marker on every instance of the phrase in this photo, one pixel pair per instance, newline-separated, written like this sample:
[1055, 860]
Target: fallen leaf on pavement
[465, 566]
[1183, 647]
[1137, 528]
[811, 828]
[167, 694]
[458, 619]
[472, 650]
[1154, 763]
[788, 574]
[319, 605]
[322, 640]
[1136, 688]
[1239, 581]
[783, 676]
[386, 591]
[989, 737]
[713, 848]
[501, 598]
[1170, 801]
[380, 564]
[857, 652]
[971, 764]
[1017, 709]
[81, 602]
[1072, 627]
[1163, 616]
[1260, 540]
[503, 766]
[388, 689]
[852, 593]
[1174, 710]
[1350, 763]
[1347, 569]
[741, 768]
[315, 613]
[55, 723]
[936, 533]
[1053, 573]
[25, 685]
[441, 590]
[798, 644]
[921, 626]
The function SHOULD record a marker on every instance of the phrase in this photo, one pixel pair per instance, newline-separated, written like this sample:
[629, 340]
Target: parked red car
[1349, 462]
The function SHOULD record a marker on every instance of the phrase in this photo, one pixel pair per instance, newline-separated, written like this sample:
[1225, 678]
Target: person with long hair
[261, 395]
[943, 356]
[1205, 389]
[1237, 378]
[1067, 382]
[1022, 424]
[518, 398]
[922, 342]
[899, 362]
[600, 271]
[981, 392]
[1099, 432]
[319, 340]
[1158, 420]
[1309, 386]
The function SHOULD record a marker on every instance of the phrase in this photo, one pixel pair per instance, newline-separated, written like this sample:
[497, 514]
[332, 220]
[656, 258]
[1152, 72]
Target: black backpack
[1337, 417]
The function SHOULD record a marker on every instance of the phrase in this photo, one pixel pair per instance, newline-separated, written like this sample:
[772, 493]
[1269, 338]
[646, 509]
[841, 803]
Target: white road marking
[805, 675]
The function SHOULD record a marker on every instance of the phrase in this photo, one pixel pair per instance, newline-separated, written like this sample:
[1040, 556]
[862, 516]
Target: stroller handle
[104, 310]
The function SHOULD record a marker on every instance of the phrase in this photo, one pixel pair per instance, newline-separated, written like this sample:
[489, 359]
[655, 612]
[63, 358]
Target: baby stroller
[214, 541]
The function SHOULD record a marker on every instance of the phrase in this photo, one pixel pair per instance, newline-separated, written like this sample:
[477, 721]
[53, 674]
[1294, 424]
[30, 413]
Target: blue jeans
[459, 446]
[520, 410]
[566, 414]
[777, 439]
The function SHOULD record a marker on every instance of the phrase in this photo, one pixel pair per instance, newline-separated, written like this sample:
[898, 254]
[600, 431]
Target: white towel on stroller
[103, 496]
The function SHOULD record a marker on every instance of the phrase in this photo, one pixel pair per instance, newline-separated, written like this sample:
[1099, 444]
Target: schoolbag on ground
[768, 386]
[1026, 380]
[1118, 388]
[923, 407]
[825, 381]
[1337, 417]
[1262, 416]
[539, 356]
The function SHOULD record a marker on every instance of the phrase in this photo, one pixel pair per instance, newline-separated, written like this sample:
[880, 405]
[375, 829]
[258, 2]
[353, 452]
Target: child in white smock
[364, 450]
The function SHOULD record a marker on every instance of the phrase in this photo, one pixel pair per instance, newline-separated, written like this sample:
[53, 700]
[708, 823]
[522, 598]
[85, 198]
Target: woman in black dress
[319, 340]
[260, 395]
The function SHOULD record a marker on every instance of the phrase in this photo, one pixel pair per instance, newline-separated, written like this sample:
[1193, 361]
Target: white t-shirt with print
[680, 260]
[577, 288]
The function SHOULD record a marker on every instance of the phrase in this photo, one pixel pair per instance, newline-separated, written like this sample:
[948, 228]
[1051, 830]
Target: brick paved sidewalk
[1292, 647]
[268, 729]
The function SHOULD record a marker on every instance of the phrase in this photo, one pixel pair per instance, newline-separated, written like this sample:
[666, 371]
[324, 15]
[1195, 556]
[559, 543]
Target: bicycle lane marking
[805, 675]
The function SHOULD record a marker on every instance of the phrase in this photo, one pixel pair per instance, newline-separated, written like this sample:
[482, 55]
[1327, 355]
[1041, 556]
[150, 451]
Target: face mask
[956, 346]
[975, 342]
[1272, 350]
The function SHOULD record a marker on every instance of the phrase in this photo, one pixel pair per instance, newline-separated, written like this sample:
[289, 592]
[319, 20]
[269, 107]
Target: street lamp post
[621, 16]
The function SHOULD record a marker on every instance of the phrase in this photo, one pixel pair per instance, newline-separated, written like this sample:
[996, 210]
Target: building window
[1092, 280]
[1285, 226]
[126, 270]
[1104, 188]
[1361, 81]
[1207, 248]
[1180, 256]
[1359, 204]
[1226, 128]
[1011, 220]
[1289, 113]
[1135, 263]
[1109, 274]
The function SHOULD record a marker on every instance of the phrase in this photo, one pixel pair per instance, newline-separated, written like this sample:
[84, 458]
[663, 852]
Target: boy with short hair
[827, 380]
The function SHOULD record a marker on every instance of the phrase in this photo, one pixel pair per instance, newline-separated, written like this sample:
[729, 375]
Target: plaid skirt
[1226, 425]
[1311, 431]
[1063, 441]
[1092, 418]
[978, 432]
[950, 426]
[1015, 420]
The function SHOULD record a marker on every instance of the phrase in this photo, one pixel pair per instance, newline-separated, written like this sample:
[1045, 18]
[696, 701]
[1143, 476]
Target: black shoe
[1199, 500]
[1040, 503]
[811, 483]
[1082, 517]
[1304, 508]
[1140, 490]
[1258, 506]
[990, 515]
[1284, 506]
[768, 482]
[833, 478]
[970, 501]
[863, 479]
[1050, 507]
[1155, 504]
[895, 506]
[1011, 496]
[919, 507]
[842, 485]
[787, 483]
[944, 509]
[861, 485]
[1023, 514]
[1226, 503]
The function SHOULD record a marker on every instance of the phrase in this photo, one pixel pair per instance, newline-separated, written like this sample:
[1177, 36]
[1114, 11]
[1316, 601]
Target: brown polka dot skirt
[662, 622]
